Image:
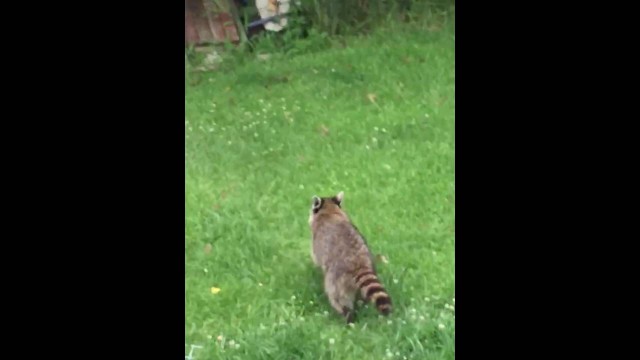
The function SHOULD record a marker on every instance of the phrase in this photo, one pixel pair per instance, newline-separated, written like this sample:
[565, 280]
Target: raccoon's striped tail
[373, 291]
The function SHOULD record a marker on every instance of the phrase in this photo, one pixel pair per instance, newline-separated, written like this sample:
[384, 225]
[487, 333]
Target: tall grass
[315, 25]
[344, 17]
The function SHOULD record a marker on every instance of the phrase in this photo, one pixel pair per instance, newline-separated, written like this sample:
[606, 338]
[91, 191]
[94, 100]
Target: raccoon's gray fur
[341, 252]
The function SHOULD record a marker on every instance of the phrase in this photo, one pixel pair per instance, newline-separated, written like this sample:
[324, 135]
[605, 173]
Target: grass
[375, 119]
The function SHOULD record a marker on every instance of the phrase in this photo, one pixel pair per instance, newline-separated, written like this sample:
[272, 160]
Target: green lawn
[376, 120]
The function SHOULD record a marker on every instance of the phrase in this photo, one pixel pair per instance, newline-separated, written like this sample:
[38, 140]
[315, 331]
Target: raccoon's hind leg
[349, 315]
[341, 294]
[344, 307]
[313, 258]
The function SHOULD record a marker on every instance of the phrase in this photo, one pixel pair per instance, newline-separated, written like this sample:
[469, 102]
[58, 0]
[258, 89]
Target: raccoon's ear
[340, 197]
[315, 202]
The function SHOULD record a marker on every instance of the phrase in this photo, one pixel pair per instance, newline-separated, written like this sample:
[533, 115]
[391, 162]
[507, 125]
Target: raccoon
[342, 253]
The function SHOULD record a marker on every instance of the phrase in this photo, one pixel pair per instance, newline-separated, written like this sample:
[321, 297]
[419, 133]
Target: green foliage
[316, 25]
[356, 16]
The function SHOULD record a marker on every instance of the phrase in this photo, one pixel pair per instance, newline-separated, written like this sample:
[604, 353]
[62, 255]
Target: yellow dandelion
[215, 290]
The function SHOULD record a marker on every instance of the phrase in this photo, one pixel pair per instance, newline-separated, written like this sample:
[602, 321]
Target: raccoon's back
[340, 242]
